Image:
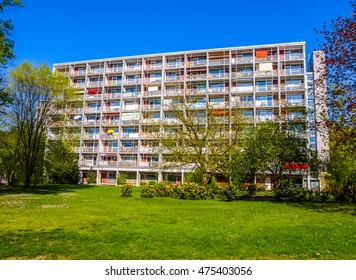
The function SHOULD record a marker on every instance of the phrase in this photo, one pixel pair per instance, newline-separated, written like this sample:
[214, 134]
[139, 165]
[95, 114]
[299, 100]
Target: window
[293, 69]
[295, 99]
[111, 176]
[217, 87]
[264, 100]
[264, 115]
[199, 60]
[81, 70]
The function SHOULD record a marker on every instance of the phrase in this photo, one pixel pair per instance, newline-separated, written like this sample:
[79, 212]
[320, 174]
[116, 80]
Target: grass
[90, 222]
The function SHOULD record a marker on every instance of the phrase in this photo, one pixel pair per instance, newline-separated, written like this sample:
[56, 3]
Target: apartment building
[120, 98]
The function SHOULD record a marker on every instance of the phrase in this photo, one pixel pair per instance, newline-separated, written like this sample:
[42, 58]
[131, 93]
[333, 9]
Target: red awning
[261, 53]
[296, 166]
[92, 91]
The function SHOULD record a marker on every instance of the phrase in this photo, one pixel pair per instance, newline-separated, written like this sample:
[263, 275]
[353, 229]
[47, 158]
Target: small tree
[91, 177]
[61, 163]
[121, 178]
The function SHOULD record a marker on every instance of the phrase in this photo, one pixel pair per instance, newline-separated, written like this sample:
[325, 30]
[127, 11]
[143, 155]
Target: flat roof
[179, 53]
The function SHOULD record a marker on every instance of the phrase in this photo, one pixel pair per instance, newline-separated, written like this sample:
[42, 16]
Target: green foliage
[213, 185]
[193, 191]
[121, 178]
[229, 192]
[194, 177]
[252, 189]
[126, 190]
[147, 190]
[163, 189]
[91, 177]
[341, 175]
[290, 193]
[61, 163]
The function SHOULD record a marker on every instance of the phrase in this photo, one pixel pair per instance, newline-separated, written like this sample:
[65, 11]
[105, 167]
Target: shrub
[91, 177]
[229, 192]
[194, 177]
[252, 189]
[121, 178]
[287, 192]
[192, 190]
[126, 190]
[214, 185]
[147, 190]
[163, 189]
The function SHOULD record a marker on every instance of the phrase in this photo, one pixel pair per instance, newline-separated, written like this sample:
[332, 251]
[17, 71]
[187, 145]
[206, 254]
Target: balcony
[131, 94]
[130, 122]
[91, 123]
[149, 150]
[267, 58]
[196, 77]
[113, 136]
[114, 70]
[111, 109]
[107, 163]
[132, 81]
[219, 61]
[152, 93]
[153, 80]
[113, 83]
[152, 107]
[242, 89]
[299, 71]
[86, 136]
[219, 75]
[174, 78]
[89, 149]
[218, 104]
[174, 64]
[292, 87]
[174, 92]
[136, 67]
[296, 56]
[150, 120]
[266, 73]
[93, 96]
[131, 108]
[79, 85]
[241, 60]
[196, 91]
[242, 74]
[127, 164]
[112, 96]
[95, 84]
[88, 163]
[111, 122]
[218, 90]
[154, 164]
[128, 150]
[96, 71]
[130, 135]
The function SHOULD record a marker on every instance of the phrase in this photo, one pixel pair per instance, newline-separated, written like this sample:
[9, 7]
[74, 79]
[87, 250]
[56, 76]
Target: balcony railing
[291, 56]
[219, 75]
[133, 67]
[218, 90]
[151, 107]
[89, 149]
[152, 93]
[95, 84]
[219, 61]
[244, 74]
[111, 122]
[128, 149]
[96, 71]
[130, 135]
[130, 94]
[113, 83]
[174, 78]
[88, 162]
[242, 89]
[90, 136]
[114, 70]
[132, 81]
[112, 96]
[130, 122]
[111, 109]
[92, 96]
[107, 163]
[292, 87]
[292, 71]
[148, 164]
[127, 164]
[267, 58]
[196, 77]
[266, 73]
[243, 60]
[149, 150]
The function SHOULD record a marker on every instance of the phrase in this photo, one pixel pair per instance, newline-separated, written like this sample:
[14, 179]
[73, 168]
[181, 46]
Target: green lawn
[90, 222]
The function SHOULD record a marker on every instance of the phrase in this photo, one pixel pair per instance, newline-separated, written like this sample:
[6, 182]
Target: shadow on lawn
[45, 189]
[327, 207]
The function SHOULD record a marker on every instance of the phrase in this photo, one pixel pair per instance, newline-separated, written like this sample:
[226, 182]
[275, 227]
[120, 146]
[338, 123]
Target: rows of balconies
[172, 63]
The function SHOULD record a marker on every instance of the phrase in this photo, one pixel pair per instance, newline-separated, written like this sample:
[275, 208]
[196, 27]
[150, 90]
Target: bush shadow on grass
[329, 207]
[43, 189]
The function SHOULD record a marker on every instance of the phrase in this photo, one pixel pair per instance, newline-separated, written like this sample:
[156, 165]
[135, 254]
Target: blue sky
[71, 30]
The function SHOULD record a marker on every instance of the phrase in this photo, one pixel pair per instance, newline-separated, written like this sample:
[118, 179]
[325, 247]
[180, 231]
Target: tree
[273, 150]
[36, 95]
[8, 165]
[199, 136]
[6, 43]
[61, 163]
[338, 44]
